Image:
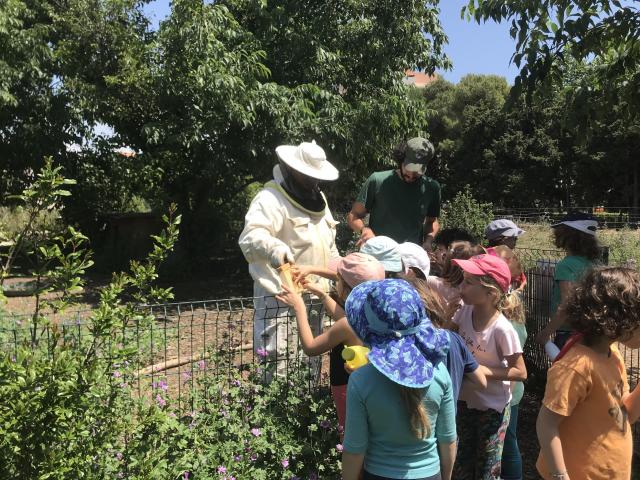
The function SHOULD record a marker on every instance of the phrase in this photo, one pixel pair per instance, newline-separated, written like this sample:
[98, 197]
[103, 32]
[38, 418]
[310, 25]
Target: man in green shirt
[403, 203]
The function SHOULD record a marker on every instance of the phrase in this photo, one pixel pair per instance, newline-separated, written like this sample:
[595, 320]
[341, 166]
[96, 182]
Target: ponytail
[509, 304]
[418, 418]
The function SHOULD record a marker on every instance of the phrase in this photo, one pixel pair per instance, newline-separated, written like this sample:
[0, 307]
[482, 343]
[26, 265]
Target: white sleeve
[262, 223]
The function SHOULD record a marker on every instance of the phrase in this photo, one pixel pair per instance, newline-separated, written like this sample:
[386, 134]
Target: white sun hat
[309, 159]
[414, 255]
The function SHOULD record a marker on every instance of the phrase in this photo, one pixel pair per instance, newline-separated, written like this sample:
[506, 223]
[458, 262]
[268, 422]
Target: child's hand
[289, 297]
[300, 272]
[314, 288]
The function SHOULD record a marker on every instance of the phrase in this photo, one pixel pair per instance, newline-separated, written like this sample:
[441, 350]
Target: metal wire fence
[609, 217]
[174, 342]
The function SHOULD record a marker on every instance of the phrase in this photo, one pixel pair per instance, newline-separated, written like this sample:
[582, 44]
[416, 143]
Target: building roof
[418, 79]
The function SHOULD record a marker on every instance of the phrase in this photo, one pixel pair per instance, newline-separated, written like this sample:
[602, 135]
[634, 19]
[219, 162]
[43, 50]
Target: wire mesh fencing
[173, 343]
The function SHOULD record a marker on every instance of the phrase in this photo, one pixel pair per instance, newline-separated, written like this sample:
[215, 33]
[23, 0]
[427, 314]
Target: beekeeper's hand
[281, 255]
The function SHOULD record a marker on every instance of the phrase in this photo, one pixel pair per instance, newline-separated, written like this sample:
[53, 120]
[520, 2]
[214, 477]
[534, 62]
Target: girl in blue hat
[400, 407]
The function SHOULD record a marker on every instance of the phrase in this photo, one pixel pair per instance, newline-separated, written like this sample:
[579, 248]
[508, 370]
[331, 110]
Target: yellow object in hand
[355, 357]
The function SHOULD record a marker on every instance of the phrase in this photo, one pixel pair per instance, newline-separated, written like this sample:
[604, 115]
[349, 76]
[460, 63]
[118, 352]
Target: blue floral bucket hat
[390, 318]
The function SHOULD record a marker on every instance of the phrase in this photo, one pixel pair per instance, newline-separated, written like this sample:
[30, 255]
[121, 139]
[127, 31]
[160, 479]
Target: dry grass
[624, 244]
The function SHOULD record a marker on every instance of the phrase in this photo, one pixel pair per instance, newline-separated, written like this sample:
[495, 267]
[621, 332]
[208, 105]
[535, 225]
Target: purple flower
[339, 447]
[254, 457]
[237, 458]
[256, 432]
[186, 376]
[163, 385]
[325, 424]
[119, 455]
[117, 374]
[340, 429]
[161, 401]
[285, 463]
[236, 383]
[201, 364]
[261, 352]
[222, 469]
[185, 476]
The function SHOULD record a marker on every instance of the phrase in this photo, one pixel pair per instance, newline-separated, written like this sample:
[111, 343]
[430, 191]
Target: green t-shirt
[570, 269]
[397, 209]
[378, 424]
[518, 388]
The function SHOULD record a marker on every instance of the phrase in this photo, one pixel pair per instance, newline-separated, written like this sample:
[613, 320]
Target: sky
[473, 48]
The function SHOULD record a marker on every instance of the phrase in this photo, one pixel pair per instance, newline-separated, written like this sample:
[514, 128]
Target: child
[385, 250]
[461, 364]
[502, 232]
[442, 244]
[511, 458]
[576, 235]
[583, 428]
[518, 278]
[483, 415]
[447, 286]
[351, 271]
[400, 410]
[415, 260]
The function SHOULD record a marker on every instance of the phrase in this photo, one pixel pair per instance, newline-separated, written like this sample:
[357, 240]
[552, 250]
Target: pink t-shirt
[489, 347]
[442, 288]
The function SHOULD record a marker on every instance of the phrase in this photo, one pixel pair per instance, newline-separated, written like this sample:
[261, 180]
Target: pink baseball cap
[490, 265]
[357, 268]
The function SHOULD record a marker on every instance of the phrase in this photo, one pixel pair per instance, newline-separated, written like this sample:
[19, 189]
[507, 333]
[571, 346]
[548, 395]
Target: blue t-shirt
[378, 424]
[459, 361]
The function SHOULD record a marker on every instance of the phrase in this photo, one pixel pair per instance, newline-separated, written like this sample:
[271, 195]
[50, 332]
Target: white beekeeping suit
[288, 221]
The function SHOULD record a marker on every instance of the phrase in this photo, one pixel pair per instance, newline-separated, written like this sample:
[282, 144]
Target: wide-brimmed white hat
[309, 159]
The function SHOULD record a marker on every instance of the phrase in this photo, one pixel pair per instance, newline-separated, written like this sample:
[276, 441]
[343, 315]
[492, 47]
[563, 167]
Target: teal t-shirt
[378, 424]
[518, 388]
[397, 209]
[570, 269]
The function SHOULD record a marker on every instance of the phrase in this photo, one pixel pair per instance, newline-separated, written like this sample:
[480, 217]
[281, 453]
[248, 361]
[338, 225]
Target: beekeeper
[288, 221]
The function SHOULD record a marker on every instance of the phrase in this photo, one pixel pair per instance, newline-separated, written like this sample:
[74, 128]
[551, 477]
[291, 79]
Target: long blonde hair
[509, 304]
[413, 399]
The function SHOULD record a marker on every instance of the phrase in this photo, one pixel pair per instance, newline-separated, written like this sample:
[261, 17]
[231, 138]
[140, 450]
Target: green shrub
[465, 212]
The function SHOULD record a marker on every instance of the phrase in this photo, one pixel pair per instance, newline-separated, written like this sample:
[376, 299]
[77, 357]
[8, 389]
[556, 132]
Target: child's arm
[515, 371]
[631, 402]
[557, 319]
[340, 331]
[478, 377]
[352, 465]
[301, 271]
[331, 307]
[547, 427]
[447, 453]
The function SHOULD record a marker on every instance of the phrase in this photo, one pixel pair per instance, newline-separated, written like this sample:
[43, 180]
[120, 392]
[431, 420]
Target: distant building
[418, 79]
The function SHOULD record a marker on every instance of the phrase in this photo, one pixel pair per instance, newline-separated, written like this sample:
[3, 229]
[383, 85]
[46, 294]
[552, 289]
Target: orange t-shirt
[587, 388]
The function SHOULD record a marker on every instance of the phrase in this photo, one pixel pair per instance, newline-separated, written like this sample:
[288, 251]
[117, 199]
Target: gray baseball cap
[502, 228]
